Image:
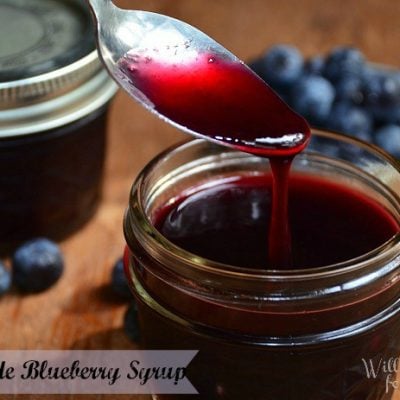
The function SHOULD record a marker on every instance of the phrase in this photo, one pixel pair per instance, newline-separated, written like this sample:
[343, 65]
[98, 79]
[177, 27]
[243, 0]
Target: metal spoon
[126, 34]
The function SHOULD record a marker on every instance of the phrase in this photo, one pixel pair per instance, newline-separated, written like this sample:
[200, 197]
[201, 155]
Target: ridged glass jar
[54, 98]
[305, 334]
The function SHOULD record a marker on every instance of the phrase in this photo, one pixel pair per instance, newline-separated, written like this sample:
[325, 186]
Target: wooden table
[79, 312]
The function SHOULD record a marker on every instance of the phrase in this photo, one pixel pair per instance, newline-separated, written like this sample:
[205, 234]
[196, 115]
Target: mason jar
[318, 333]
[54, 98]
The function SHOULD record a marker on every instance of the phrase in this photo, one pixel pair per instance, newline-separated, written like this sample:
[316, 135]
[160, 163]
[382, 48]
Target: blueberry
[350, 88]
[343, 60]
[119, 282]
[312, 97]
[5, 279]
[314, 65]
[350, 120]
[37, 265]
[281, 66]
[324, 146]
[388, 138]
[387, 115]
[370, 71]
[382, 88]
[382, 96]
[131, 323]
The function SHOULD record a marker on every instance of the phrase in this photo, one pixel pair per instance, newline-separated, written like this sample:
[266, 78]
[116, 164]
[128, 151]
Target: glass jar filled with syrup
[325, 327]
[54, 98]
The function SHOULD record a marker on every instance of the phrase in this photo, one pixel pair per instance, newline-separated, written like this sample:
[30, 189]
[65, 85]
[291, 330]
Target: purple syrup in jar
[227, 222]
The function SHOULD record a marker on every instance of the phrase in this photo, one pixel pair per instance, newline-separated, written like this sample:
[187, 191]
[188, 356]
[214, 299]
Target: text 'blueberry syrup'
[223, 100]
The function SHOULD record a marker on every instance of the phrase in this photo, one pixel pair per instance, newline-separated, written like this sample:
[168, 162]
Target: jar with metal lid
[54, 97]
[307, 333]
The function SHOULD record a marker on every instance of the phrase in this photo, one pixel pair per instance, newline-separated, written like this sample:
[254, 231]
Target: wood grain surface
[79, 312]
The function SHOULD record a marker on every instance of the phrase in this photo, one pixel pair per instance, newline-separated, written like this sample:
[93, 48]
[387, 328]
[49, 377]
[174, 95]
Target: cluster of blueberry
[36, 265]
[340, 92]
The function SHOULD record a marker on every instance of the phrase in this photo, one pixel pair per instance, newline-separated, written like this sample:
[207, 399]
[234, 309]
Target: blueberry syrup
[226, 102]
[220, 99]
[330, 223]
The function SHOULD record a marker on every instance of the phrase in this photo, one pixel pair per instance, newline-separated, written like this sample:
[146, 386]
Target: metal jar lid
[50, 73]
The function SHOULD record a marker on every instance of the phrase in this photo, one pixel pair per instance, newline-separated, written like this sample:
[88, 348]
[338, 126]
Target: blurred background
[314, 27]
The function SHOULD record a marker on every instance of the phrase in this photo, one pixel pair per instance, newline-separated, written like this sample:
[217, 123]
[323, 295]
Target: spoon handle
[98, 7]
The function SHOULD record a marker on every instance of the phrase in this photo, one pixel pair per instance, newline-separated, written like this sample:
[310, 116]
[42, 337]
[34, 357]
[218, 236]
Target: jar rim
[199, 263]
[59, 97]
